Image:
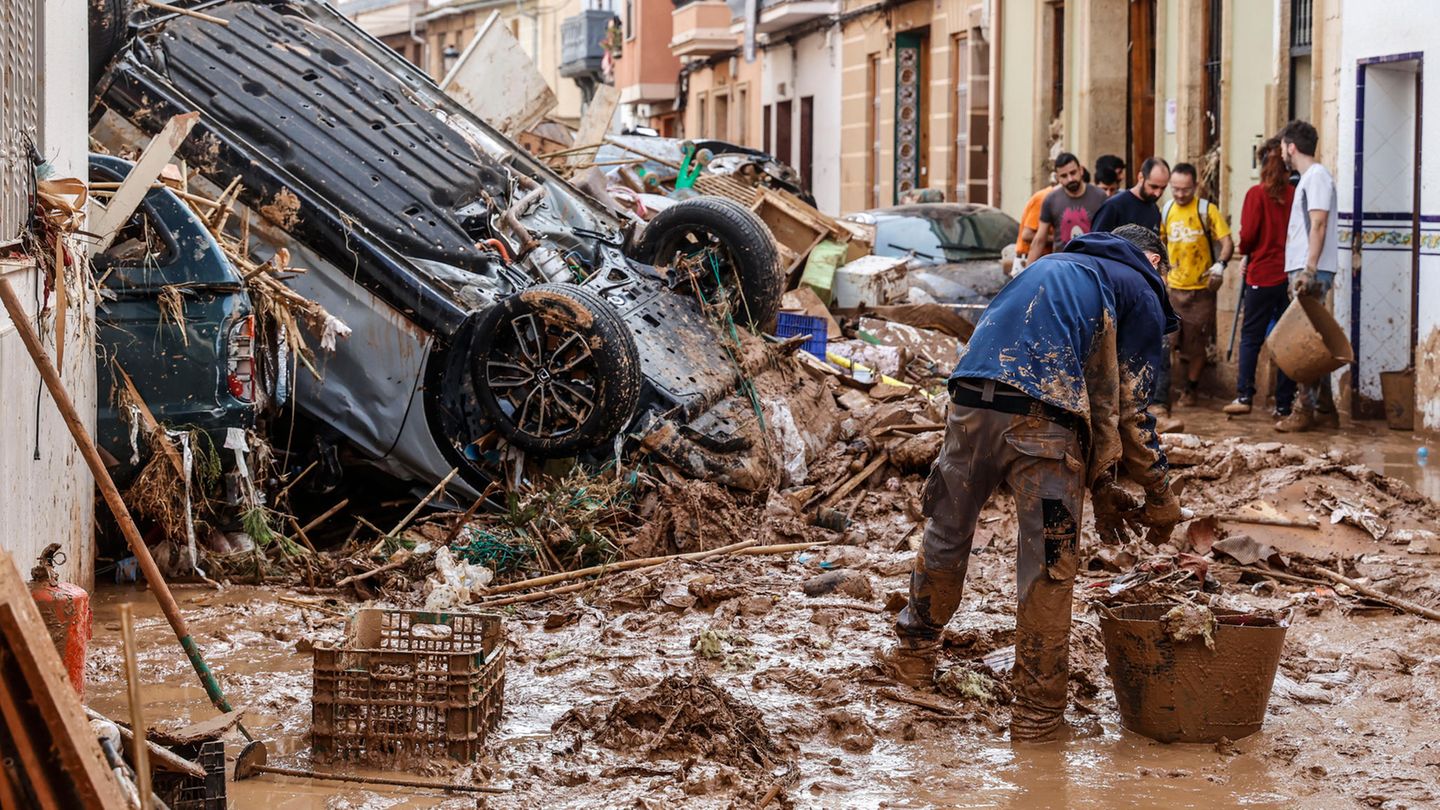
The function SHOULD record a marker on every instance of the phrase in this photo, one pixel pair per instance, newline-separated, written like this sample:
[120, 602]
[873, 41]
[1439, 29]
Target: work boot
[1299, 421]
[1164, 422]
[1240, 406]
[1327, 419]
[911, 661]
[1189, 398]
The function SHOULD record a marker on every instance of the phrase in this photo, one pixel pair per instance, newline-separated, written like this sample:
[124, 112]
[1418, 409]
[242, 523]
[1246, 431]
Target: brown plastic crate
[409, 685]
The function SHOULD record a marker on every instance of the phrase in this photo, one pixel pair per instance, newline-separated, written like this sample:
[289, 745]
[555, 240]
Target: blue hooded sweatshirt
[1039, 332]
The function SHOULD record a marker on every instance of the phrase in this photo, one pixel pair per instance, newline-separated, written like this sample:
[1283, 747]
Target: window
[1057, 60]
[1140, 111]
[1302, 28]
[872, 131]
[702, 116]
[783, 115]
[742, 115]
[721, 129]
[970, 119]
[807, 141]
[1213, 35]
[629, 19]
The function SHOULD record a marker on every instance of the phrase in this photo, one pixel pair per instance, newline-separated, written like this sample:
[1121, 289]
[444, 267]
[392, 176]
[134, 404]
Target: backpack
[1204, 223]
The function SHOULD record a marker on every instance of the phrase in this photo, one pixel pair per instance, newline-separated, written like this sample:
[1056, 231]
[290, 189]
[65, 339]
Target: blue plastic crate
[790, 324]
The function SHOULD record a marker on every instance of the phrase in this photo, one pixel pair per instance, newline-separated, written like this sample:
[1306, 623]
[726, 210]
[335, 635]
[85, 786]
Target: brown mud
[714, 683]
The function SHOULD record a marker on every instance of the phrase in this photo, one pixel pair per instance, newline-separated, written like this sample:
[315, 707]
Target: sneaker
[1189, 399]
[910, 662]
[1299, 421]
[1241, 405]
[1327, 419]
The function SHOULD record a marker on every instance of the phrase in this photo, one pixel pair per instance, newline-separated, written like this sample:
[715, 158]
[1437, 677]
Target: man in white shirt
[1312, 257]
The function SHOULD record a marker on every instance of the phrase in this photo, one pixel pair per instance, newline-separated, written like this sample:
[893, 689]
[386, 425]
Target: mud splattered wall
[1381, 136]
[45, 490]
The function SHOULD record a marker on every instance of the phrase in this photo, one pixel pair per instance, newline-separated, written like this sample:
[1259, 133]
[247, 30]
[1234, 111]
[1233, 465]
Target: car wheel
[556, 369]
[109, 26]
[726, 247]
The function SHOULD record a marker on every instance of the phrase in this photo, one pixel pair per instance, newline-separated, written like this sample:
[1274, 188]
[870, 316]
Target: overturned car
[488, 299]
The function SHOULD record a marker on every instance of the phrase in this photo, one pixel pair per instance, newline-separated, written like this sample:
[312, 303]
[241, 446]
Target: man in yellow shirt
[1198, 240]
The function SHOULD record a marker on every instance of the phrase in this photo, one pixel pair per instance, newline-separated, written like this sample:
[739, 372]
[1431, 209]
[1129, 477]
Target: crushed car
[489, 299]
[956, 249]
[173, 321]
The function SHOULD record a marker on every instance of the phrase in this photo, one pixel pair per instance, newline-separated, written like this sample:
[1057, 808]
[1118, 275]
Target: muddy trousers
[1040, 462]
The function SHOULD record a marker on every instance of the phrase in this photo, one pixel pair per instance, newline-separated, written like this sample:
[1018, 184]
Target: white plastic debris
[791, 445]
[454, 581]
[334, 328]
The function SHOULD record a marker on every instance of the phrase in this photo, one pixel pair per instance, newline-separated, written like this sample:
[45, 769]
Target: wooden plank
[34, 766]
[153, 429]
[71, 741]
[147, 170]
[512, 104]
[595, 124]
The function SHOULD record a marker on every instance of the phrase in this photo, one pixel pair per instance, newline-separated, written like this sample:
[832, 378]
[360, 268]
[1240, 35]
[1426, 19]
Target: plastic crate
[790, 324]
[185, 792]
[409, 685]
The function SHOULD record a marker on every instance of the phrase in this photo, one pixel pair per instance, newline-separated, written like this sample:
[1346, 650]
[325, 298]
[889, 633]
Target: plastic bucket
[1184, 691]
[1307, 342]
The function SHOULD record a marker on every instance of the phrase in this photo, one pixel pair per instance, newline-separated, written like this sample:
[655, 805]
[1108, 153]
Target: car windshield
[944, 233]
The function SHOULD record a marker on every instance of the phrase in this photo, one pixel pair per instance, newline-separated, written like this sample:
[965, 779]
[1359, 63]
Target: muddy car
[173, 315]
[488, 298]
[956, 248]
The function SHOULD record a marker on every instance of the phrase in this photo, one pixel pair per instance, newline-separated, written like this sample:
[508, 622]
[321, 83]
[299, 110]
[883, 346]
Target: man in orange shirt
[1029, 221]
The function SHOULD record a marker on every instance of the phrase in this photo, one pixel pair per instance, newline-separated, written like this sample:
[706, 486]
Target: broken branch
[185, 12]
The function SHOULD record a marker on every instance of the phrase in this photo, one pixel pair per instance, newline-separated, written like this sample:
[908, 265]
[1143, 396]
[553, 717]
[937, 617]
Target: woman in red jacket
[1263, 222]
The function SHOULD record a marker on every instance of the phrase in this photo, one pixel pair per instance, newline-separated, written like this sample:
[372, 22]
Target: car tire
[755, 281]
[556, 369]
[109, 28]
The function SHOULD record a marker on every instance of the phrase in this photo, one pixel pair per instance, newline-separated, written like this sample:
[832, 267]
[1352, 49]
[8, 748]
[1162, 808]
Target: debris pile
[680, 718]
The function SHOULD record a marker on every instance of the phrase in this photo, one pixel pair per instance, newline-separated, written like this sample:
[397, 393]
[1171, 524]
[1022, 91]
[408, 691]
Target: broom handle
[111, 494]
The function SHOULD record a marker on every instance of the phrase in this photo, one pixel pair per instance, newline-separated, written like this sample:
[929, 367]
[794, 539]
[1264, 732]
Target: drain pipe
[424, 46]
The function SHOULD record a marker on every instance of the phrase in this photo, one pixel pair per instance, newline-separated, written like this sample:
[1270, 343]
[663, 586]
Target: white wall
[1367, 35]
[50, 498]
[811, 67]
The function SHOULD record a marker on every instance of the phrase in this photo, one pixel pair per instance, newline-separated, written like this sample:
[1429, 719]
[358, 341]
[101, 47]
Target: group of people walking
[1288, 238]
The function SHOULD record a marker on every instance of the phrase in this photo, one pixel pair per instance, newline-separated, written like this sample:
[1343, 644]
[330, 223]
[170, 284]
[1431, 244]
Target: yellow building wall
[743, 120]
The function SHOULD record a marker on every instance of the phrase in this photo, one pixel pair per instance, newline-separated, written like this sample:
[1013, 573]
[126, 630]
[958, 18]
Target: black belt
[972, 393]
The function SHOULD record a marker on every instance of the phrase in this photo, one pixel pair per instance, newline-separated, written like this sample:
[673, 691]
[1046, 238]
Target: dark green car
[173, 314]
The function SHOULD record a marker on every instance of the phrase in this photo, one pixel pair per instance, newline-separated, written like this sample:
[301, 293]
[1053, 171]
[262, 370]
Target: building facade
[46, 493]
[433, 33]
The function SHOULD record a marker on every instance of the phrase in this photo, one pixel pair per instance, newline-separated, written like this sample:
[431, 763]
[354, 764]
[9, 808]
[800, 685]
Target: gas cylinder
[65, 607]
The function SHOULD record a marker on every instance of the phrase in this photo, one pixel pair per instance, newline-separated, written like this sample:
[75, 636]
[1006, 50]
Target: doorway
[1140, 106]
[1385, 229]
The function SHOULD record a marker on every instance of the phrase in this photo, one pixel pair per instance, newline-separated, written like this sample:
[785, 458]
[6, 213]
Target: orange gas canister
[65, 608]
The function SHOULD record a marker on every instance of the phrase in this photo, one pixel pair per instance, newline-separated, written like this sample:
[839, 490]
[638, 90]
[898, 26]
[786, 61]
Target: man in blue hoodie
[1050, 397]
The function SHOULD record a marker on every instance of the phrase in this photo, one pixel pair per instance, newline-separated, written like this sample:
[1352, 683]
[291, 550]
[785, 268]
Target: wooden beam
[136, 185]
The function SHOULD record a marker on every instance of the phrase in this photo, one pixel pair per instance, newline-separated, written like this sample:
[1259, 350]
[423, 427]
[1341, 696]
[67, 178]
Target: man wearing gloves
[1198, 238]
[1051, 396]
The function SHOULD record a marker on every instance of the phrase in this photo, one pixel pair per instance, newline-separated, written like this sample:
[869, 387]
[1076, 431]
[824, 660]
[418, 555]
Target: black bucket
[1183, 691]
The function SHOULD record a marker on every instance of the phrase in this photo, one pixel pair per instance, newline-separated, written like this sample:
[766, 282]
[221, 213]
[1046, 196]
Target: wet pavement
[1352, 727]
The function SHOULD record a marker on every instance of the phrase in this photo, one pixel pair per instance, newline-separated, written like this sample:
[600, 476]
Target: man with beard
[1050, 398]
[1068, 211]
[1136, 206]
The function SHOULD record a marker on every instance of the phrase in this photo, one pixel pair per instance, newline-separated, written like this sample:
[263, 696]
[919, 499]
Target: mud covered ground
[721, 683]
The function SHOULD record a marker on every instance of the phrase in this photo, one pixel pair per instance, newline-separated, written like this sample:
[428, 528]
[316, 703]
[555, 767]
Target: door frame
[1357, 224]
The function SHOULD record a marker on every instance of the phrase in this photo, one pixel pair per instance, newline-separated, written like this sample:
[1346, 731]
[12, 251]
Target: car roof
[929, 210]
